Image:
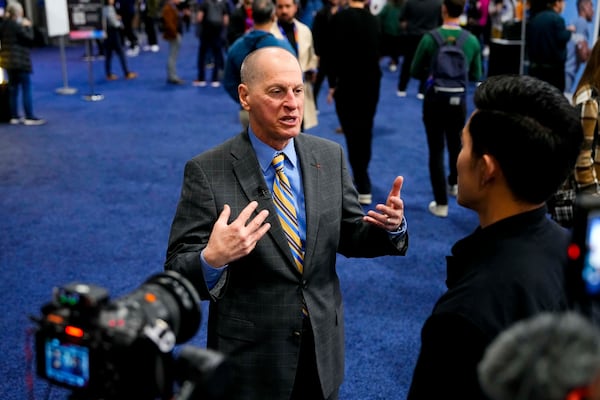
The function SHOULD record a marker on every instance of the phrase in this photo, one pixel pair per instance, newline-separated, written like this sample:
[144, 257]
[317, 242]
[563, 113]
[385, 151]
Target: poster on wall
[85, 19]
[583, 16]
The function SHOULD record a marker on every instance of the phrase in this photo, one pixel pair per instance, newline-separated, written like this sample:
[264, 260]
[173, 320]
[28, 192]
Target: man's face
[275, 102]
[286, 10]
[468, 173]
[587, 10]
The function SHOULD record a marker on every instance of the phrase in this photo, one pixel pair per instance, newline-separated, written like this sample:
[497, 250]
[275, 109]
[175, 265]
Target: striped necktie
[286, 210]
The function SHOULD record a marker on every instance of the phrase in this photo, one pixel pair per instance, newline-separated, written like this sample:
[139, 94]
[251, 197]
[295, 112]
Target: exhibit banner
[86, 20]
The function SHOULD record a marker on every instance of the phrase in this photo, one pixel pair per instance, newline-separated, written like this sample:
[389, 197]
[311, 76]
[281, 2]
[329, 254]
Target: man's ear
[243, 94]
[489, 169]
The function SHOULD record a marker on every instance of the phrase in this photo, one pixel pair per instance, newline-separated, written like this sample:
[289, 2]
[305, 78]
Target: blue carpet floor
[90, 196]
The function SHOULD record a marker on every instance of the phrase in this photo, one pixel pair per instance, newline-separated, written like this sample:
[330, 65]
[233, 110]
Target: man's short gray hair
[541, 358]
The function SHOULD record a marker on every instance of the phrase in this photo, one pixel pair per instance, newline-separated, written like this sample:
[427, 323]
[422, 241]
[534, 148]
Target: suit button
[304, 284]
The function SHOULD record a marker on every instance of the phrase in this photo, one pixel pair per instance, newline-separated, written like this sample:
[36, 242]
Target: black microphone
[263, 192]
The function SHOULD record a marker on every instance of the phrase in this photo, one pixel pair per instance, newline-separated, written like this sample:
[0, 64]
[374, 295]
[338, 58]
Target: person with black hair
[513, 265]
[354, 78]
[546, 42]
[444, 115]
[263, 12]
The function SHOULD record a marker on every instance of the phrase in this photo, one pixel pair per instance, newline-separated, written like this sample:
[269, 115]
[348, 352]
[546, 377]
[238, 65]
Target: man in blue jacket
[263, 13]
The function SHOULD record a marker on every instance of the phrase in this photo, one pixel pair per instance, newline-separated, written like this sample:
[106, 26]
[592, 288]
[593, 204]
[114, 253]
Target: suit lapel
[310, 168]
[252, 182]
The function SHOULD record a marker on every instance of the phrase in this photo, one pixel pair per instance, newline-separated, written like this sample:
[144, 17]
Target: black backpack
[448, 73]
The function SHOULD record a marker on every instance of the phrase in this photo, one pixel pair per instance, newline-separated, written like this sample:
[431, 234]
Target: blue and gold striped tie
[286, 209]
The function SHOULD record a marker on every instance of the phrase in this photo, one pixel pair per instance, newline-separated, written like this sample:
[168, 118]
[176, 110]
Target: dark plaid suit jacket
[255, 312]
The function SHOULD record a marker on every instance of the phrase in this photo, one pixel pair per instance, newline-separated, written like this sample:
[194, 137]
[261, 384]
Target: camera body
[120, 349]
[583, 273]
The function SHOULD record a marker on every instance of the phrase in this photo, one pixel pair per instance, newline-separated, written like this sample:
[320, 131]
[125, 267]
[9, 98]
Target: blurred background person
[259, 36]
[391, 32]
[172, 31]
[321, 31]
[444, 113]
[546, 42]
[584, 178]
[418, 18]
[112, 43]
[240, 22]
[16, 39]
[300, 37]
[213, 18]
[579, 47]
[127, 11]
[149, 12]
[546, 357]
[354, 79]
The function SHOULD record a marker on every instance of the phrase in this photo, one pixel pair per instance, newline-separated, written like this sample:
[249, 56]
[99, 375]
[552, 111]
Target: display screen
[591, 262]
[67, 363]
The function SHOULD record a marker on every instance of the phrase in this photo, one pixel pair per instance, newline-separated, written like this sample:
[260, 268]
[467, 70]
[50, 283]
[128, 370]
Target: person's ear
[489, 169]
[243, 94]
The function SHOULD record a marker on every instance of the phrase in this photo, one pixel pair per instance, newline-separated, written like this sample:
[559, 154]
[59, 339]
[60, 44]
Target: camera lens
[181, 302]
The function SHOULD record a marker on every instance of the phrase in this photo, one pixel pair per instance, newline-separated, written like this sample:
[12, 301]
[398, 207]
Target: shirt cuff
[401, 229]
[211, 274]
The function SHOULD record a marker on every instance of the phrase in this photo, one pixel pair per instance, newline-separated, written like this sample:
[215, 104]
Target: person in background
[240, 22]
[321, 31]
[149, 12]
[267, 263]
[587, 171]
[260, 36]
[16, 38]
[513, 265]
[127, 11]
[213, 18]
[113, 43]
[579, 47]
[546, 42]
[418, 18]
[551, 356]
[172, 31]
[392, 34]
[501, 12]
[354, 79]
[584, 178]
[444, 116]
[300, 37]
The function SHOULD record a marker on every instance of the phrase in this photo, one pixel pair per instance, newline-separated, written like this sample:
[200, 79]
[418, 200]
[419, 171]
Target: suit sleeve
[191, 228]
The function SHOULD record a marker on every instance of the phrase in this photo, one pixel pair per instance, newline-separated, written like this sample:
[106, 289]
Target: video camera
[124, 349]
[583, 274]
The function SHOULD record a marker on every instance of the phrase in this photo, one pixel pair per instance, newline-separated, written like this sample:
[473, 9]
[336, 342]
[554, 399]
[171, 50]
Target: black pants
[553, 74]
[210, 41]
[113, 44]
[443, 123]
[307, 384]
[150, 28]
[411, 44]
[356, 106]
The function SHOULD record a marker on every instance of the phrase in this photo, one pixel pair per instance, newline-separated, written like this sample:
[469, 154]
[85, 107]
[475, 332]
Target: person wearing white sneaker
[444, 98]
[513, 265]
[16, 36]
[439, 210]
